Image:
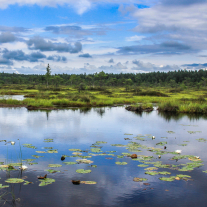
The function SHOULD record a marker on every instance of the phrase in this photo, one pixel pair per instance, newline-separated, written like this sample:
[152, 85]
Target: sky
[114, 36]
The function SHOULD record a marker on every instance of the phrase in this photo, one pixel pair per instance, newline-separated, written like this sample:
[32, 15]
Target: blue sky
[88, 36]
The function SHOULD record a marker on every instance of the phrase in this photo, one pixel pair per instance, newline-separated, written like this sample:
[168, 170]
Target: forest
[175, 91]
[174, 79]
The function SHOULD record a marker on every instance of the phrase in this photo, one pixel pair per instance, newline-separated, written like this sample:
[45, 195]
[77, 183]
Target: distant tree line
[180, 78]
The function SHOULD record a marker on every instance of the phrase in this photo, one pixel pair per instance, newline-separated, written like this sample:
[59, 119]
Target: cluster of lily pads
[149, 162]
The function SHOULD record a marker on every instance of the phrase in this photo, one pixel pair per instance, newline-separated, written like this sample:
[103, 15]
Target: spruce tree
[48, 74]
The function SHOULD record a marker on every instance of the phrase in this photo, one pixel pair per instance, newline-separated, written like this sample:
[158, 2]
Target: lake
[98, 141]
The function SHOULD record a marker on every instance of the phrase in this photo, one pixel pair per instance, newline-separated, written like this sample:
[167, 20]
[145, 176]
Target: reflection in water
[82, 128]
[85, 110]
[100, 111]
[177, 116]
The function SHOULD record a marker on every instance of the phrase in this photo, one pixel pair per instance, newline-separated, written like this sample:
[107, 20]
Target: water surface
[80, 129]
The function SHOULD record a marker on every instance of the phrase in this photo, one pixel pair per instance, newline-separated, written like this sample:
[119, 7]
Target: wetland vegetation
[178, 91]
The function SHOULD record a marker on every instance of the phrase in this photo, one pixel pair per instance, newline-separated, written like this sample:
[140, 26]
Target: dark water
[80, 129]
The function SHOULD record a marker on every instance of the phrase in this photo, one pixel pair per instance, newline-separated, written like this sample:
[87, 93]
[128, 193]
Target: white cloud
[134, 38]
[80, 6]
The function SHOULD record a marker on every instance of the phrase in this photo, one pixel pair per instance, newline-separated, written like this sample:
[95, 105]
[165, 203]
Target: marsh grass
[169, 100]
[187, 107]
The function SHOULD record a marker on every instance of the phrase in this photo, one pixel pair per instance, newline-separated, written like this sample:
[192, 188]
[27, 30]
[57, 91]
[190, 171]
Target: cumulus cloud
[182, 2]
[118, 66]
[57, 58]
[38, 43]
[68, 29]
[19, 55]
[169, 47]
[7, 37]
[76, 31]
[81, 6]
[195, 66]
[13, 29]
[181, 21]
[150, 67]
[4, 61]
[134, 38]
[86, 55]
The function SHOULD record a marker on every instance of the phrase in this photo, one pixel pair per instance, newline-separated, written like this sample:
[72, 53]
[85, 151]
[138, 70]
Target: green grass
[168, 99]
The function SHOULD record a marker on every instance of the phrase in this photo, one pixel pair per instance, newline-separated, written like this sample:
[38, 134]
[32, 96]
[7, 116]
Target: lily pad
[88, 182]
[127, 139]
[29, 146]
[70, 163]
[170, 132]
[83, 171]
[40, 152]
[94, 166]
[14, 180]
[118, 145]
[84, 157]
[139, 138]
[3, 186]
[142, 165]
[48, 140]
[27, 183]
[15, 164]
[121, 163]
[120, 156]
[77, 153]
[54, 165]
[28, 160]
[201, 140]
[36, 156]
[183, 176]
[160, 165]
[194, 132]
[101, 142]
[169, 179]
[161, 153]
[96, 150]
[52, 151]
[205, 171]
[139, 179]
[52, 171]
[164, 173]
[152, 173]
[48, 147]
[127, 134]
[151, 168]
[46, 181]
[161, 143]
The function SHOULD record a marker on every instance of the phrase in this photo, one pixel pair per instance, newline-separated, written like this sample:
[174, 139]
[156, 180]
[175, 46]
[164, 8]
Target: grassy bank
[182, 107]
[188, 101]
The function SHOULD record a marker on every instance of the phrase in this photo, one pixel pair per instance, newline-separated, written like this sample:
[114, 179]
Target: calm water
[80, 129]
[16, 97]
